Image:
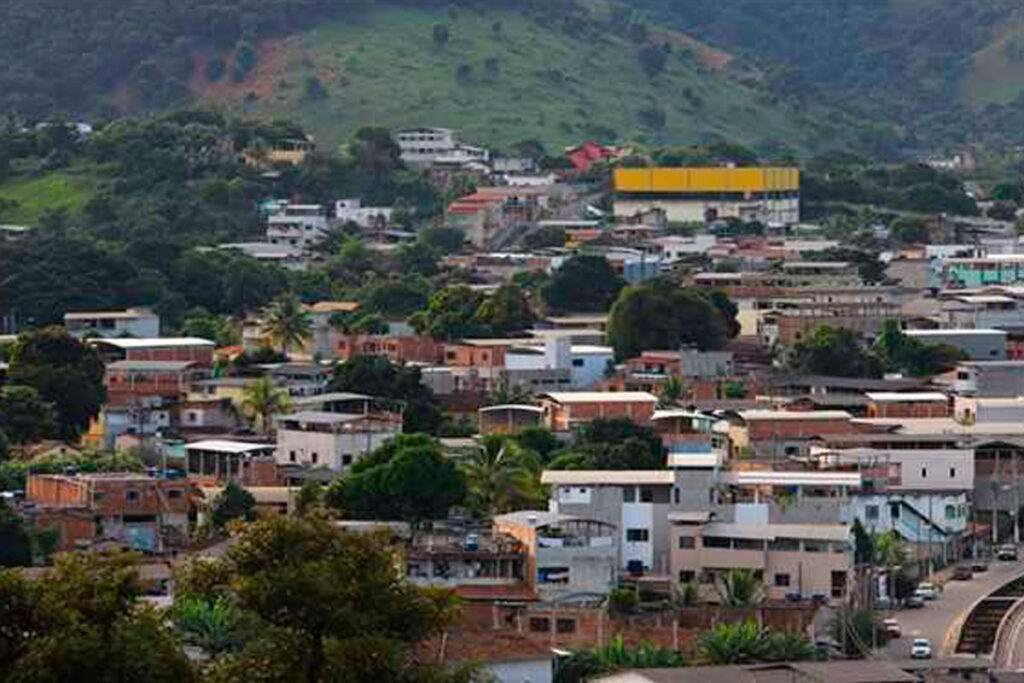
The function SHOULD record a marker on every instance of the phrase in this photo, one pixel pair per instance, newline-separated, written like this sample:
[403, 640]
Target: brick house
[565, 409]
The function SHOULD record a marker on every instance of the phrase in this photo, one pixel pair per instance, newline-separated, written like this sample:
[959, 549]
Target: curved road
[939, 619]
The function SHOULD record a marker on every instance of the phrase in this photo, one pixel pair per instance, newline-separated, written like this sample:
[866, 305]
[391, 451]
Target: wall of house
[909, 410]
[588, 369]
[199, 354]
[329, 449]
[523, 671]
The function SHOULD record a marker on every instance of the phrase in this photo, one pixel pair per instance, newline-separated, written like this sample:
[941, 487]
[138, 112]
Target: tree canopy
[387, 380]
[661, 315]
[834, 351]
[583, 283]
[408, 478]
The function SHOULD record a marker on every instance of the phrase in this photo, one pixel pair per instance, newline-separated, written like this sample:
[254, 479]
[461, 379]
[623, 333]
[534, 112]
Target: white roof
[225, 446]
[794, 415]
[955, 332]
[592, 350]
[784, 478]
[110, 315]
[154, 342]
[906, 397]
[679, 412]
[601, 397]
[694, 460]
[981, 299]
[150, 365]
[607, 477]
[945, 425]
[512, 406]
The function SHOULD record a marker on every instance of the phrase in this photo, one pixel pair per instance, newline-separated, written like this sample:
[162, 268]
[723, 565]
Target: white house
[366, 217]
[332, 440]
[297, 225]
[133, 322]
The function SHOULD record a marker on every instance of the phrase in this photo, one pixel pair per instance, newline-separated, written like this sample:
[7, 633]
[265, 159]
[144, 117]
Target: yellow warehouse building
[769, 195]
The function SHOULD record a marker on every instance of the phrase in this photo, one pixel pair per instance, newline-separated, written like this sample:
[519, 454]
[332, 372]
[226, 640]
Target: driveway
[936, 619]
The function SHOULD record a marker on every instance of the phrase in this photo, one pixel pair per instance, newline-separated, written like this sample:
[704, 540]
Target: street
[936, 619]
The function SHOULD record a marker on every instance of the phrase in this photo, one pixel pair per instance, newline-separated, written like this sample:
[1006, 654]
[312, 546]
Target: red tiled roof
[464, 646]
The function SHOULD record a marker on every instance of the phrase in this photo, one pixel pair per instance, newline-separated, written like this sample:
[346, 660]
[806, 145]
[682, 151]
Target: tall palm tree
[500, 476]
[261, 400]
[286, 323]
[671, 392]
[891, 553]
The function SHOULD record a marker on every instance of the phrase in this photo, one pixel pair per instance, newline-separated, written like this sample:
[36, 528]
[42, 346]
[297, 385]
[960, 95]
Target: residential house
[297, 225]
[781, 433]
[978, 344]
[912, 404]
[422, 147]
[180, 349]
[332, 440]
[565, 410]
[366, 217]
[142, 512]
[132, 322]
[216, 461]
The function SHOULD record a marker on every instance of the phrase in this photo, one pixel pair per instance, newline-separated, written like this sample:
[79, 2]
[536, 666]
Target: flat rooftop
[153, 342]
[600, 397]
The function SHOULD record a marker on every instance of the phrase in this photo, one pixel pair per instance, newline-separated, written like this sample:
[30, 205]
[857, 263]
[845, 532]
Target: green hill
[502, 77]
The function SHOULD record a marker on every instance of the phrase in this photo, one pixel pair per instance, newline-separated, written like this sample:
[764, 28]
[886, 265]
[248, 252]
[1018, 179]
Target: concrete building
[132, 322]
[769, 195]
[977, 344]
[912, 404]
[217, 461]
[366, 217]
[568, 556]
[983, 271]
[983, 311]
[564, 410]
[465, 560]
[423, 147]
[297, 225]
[142, 512]
[775, 433]
[332, 440]
[788, 324]
[990, 379]
[180, 349]
[586, 363]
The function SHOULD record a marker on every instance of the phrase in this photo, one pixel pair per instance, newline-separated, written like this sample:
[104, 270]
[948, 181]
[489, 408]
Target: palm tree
[671, 392]
[500, 476]
[261, 400]
[286, 323]
[740, 588]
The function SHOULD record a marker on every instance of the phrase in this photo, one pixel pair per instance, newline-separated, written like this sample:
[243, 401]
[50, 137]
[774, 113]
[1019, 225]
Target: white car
[927, 591]
[921, 648]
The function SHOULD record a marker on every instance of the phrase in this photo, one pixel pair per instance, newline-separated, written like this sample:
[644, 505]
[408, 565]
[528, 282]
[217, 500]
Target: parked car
[979, 565]
[962, 572]
[927, 590]
[1007, 553]
[921, 648]
[913, 602]
[892, 628]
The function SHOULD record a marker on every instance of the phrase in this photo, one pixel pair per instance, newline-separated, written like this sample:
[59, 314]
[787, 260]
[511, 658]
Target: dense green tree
[909, 230]
[408, 478]
[380, 377]
[899, 353]
[24, 416]
[539, 440]
[65, 372]
[834, 351]
[232, 503]
[661, 315]
[583, 283]
[452, 314]
[740, 588]
[333, 607]
[84, 622]
[506, 312]
[612, 444]
[857, 631]
[395, 297]
[15, 540]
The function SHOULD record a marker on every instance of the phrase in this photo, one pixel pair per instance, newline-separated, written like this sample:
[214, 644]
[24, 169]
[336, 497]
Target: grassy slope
[69, 188]
[386, 70]
[997, 77]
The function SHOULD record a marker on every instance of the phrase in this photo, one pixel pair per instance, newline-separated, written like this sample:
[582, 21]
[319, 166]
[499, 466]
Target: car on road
[979, 565]
[921, 648]
[962, 572]
[892, 628]
[927, 590]
[913, 602]
[1006, 553]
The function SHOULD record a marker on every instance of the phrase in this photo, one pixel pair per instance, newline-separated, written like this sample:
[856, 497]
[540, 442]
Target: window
[782, 580]
[191, 416]
[314, 457]
[577, 362]
[346, 460]
[894, 510]
[628, 494]
[291, 456]
[565, 625]
[637, 535]
[646, 494]
[174, 494]
[924, 472]
[717, 542]
[675, 495]
[687, 575]
[838, 584]
[686, 543]
[952, 473]
[871, 512]
[131, 496]
[950, 512]
[815, 546]
[540, 624]
[748, 544]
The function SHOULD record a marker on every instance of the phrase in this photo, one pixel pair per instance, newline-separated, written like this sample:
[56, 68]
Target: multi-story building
[568, 556]
[297, 225]
[983, 271]
[564, 410]
[978, 344]
[783, 433]
[133, 322]
[332, 440]
[179, 349]
[790, 323]
[142, 512]
[366, 217]
[770, 195]
[421, 147]
[217, 461]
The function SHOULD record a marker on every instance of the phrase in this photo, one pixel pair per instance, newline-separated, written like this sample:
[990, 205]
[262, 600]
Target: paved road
[935, 620]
